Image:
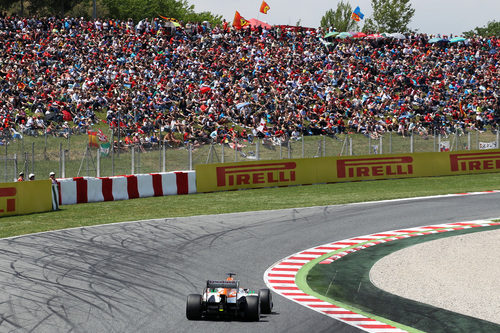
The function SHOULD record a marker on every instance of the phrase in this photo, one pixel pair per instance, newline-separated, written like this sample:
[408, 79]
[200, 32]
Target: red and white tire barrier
[281, 276]
[91, 189]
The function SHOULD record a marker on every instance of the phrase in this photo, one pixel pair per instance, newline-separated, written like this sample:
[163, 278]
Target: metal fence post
[477, 139]
[88, 153]
[235, 148]
[324, 145]
[33, 157]
[281, 153]
[434, 138]
[288, 148]
[132, 167]
[45, 147]
[257, 149]
[98, 158]
[390, 142]
[411, 142]
[468, 141]
[369, 145]
[350, 146]
[303, 145]
[223, 155]
[497, 140]
[63, 164]
[69, 140]
[112, 153]
[163, 166]
[439, 142]
[26, 163]
[6, 163]
[160, 145]
[344, 143]
[60, 158]
[190, 153]
[119, 133]
[15, 165]
[380, 148]
[139, 160]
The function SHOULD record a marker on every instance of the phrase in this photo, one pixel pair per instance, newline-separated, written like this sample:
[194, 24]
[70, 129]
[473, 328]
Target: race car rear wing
[212, 284]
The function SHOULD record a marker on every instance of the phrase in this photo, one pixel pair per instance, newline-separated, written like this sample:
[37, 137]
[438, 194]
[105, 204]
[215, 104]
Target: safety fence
[72, 157]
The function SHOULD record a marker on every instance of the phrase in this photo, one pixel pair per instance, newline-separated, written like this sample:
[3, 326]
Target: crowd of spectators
[204, 84]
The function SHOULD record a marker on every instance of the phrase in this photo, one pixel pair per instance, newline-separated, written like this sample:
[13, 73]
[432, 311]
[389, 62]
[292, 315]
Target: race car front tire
[266, 301]
[252, 311]
[193, 307]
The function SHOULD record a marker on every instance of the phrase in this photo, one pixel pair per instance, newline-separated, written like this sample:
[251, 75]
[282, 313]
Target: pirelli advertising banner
[257, 174]
[25, 197]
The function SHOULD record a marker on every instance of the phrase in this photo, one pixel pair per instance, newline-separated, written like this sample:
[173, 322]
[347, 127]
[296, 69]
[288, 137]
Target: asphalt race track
[134, 277]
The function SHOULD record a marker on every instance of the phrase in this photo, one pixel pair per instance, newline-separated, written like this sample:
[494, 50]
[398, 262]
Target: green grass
[241, 201]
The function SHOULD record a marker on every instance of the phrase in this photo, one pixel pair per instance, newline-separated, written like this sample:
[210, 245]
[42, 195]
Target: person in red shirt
[187, 136]
[21, 177]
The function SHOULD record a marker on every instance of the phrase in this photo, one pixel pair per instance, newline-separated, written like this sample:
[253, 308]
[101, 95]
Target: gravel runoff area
[459, 274]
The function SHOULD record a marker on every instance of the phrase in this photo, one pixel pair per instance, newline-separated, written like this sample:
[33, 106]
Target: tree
[117, 9]
[38, 7]
[140, 9]
[340, 19]
[492, 28]
[50, 7]
[390, 16]
[6, 4]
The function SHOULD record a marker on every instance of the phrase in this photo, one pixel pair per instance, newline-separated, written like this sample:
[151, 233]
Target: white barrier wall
[91, 189]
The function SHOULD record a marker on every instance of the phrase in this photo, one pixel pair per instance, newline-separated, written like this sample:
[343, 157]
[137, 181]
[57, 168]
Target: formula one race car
[224, 298]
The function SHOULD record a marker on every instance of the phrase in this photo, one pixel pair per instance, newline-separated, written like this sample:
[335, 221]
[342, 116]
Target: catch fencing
[72, 157]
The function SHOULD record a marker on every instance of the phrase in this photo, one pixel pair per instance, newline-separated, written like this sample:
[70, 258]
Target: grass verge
[241, 201]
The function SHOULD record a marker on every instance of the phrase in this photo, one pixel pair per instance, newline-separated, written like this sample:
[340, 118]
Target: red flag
[264, 7]
[101, 136]
[239, 21]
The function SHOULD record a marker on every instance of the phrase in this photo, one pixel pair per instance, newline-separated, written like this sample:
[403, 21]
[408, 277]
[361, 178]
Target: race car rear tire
[266, 301]
[193, 307]
[252, 311]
